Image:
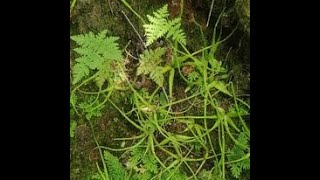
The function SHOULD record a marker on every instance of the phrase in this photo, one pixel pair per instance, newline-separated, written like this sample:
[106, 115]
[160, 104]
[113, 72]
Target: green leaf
[149, 60]
[236, 153]
[80, 70]
[96, 54]
[150, 64]
[157, 76]
[150, 163]
[160, 25]
[220, 86]
[115, 168]
[73, 125]
[136, 155]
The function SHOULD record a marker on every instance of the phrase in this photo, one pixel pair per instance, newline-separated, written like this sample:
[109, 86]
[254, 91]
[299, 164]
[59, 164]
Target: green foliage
[97, 53]
[115, 169]
[136, 156]
[175, 32]
[164, 125]
[144, 164]
[91, 108]
[150, 62]
[238, 152]
[96, 176]
[205, 175]
[174, 174]
[160, 25]
[73, 125]
[150, 163]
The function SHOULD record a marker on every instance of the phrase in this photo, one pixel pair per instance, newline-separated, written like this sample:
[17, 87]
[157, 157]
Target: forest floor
[97, 15]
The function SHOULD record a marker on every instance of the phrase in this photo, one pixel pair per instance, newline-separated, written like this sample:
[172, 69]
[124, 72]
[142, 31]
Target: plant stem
[128, 6]
[100, 152]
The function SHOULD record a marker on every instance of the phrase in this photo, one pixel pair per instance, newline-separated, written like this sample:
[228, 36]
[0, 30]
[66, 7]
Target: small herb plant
[100, 70]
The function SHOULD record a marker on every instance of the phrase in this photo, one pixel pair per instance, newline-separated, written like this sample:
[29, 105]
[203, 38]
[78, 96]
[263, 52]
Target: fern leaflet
[115, 168]
[150, 64]
[160, 25]
[96, 53]
[144, 164]
[236, 153]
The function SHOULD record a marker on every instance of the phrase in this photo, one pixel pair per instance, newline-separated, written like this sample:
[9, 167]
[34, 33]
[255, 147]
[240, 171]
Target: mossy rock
[243, 10]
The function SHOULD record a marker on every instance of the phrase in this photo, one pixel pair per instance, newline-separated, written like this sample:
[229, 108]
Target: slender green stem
[125, 149]
[72, 5]
[126, 117]
[77, 87]
[100, 152]
[223, 152]
[237, 108]
[134, 12]
[247, 156]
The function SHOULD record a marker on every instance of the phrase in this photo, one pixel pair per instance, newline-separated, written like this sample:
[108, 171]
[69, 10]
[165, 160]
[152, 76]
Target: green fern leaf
[136, 156]
[238, 152]
[246, 164]
[80, 70]
[243, 139]
[150, 163]
[115, 168]
[175, 32]
[157, 76]
[236, 171]
[89, 110]
[96, 52]
[149, 60]
[160, 25]
[150, 64]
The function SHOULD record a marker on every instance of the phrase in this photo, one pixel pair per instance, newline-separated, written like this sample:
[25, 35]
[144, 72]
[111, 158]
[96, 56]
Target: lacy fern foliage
[97, 53]
[115, 169]
[150, 62]
[160, 25]
[238, 152]
[144, 164]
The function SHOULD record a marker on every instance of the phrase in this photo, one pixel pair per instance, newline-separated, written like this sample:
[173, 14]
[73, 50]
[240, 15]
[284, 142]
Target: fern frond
[95, 51]
[236, 153]
[136, 156]
[150, 64]
[175, 32]
[246, 164]
[149, 60]
[87, 108]
[80, 70]
[236, 171]
[243, 139]
[160, 25]
[157, 76]
[115, 168]
[150, 163]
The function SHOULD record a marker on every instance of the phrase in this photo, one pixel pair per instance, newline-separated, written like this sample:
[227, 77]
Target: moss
[243, 10]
